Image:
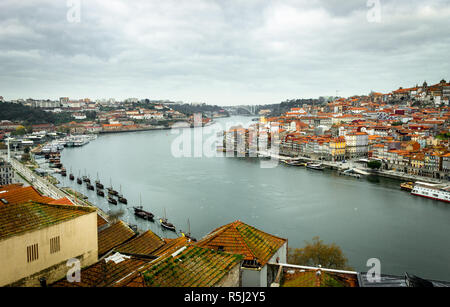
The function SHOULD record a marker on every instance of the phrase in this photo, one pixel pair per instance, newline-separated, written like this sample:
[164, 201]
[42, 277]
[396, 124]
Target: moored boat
[98, 184]
[407, 186]
[112, 200]
[294, 163]
[111, 191]
[139, 212]
[315, 166]
[165, 224]
[120, 197]
[188, 233]
[100, 193]
[439, 192]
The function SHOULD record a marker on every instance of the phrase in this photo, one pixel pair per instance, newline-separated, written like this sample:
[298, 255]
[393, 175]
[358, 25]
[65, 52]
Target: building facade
[6, 172]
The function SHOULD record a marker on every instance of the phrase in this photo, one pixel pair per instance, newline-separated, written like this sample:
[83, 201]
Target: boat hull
[431, 197]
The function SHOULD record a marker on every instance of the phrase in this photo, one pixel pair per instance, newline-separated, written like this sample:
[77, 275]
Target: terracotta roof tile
[302, 278]
[9, 187]
[20, 218]
[101, 221]
[171, 246]
[191, 267]
[22, 195]
[240, 238]
[144, 244]
[62, 201]
[113, 236]
[105, 273]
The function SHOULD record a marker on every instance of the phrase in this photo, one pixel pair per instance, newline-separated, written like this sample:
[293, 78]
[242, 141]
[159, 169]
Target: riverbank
[339, 166]
[367, 218]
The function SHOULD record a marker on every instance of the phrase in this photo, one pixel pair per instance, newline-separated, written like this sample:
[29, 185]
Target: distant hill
[285, 106]
[190, 109]
[31, 116]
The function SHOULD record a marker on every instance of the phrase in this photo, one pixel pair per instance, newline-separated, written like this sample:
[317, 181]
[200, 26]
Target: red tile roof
[192, 267]
[105, 273]
[19, 218]
[22, 195]
[144, 244]
[113, 236]
[243, 239]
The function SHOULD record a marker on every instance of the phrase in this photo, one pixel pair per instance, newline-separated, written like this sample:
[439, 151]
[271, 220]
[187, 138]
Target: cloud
[220, 52]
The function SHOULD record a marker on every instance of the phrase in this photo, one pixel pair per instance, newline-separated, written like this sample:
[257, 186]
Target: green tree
[316, 252]
[20, 130]
[374, 164]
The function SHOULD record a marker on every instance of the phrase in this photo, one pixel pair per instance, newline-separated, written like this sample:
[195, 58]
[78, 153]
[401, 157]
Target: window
[32, 252]
[54, 245]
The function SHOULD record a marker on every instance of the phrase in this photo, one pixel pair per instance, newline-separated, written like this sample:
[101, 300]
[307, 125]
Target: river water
[367, 218]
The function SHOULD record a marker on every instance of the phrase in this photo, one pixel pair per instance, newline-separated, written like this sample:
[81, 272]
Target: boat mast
[189, 228]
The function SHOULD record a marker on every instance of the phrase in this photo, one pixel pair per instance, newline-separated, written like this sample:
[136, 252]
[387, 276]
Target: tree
[317, 253]
[374, 164]
[20, 130]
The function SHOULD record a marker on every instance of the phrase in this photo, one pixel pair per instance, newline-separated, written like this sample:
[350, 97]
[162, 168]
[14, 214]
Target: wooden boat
[112, 191]
[112, 200]
[100, 193]
[90, 187]
[165, 223]
[188, 233]
[98, 184]
[407, 186]
[139, 212]
[122, 199]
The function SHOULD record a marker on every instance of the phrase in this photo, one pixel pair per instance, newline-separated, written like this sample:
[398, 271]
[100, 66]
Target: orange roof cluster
[23, 194]
[144, 244]
[243, 239]
[192, 267]
[34, 216]
[104, 273]
[113, 236]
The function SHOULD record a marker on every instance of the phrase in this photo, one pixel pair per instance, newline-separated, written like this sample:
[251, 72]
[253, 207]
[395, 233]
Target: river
[367, 218]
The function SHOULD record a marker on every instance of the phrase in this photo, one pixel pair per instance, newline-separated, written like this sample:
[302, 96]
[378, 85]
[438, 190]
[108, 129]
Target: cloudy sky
[220, 51]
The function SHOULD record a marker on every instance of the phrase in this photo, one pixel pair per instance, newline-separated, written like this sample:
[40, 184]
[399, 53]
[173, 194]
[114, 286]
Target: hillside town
[405, 130]
[81, 116]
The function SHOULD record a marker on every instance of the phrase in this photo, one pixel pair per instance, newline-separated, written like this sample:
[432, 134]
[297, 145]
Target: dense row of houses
[406, 138]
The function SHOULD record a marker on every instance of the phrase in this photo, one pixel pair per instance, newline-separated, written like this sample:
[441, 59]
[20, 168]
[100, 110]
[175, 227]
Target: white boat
[433, 191]
[315, 166]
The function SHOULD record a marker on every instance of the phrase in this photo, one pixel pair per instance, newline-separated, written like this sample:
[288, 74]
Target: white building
[37, 240]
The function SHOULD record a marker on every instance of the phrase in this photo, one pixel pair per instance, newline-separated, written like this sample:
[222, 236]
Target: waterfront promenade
[45, 187]
[353, 164]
